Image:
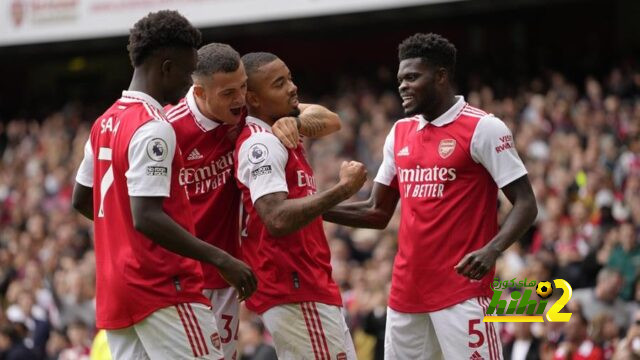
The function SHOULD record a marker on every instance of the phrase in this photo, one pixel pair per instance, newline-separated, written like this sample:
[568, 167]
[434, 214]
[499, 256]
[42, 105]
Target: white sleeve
[492, 145]
[387, 171]
[261, 165]
[151, 152]
[84, 176]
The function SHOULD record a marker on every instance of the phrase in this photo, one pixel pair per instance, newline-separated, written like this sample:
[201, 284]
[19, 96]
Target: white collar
[206, 123]
[447, 117]
[255, 120]
[140, 96]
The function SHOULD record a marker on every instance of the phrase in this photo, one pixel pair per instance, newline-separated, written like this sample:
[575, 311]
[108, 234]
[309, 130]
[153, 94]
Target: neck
[264, 117]
[142, 82]
[444, 104]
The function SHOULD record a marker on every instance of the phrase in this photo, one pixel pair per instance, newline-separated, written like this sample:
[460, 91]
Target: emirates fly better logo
[522, 302]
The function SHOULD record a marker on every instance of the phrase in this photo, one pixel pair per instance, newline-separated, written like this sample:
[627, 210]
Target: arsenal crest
[215, 340]
[446, 147]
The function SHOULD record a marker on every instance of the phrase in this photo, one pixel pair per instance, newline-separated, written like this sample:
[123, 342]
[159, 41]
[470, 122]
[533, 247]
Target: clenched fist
[352, 176]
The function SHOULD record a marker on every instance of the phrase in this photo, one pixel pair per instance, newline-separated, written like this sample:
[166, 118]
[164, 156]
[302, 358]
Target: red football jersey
[448, 173]
[207, 151]
[132, 152]
[293, 268]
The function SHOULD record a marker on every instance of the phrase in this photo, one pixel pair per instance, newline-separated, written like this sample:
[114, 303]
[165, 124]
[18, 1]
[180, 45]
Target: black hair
[216, 57]
[253, 61]
[432, 48]
[157, 30]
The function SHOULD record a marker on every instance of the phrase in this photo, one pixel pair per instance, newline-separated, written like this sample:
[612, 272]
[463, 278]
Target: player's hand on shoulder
[286, 130]
[240, 276]
[476, 264]
[353, 174]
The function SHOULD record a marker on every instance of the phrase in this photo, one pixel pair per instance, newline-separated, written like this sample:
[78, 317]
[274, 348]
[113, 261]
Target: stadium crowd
[580, 143]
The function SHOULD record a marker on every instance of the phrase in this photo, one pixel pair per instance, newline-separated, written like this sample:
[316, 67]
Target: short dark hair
[253, 61]
[162, 29]
[216, 57]
[431, 48]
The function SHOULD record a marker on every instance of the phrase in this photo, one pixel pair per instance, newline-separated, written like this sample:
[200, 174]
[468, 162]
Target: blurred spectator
[577, 345]
[523, 346]
[625, 257]
[12, 345]
[604, 298]
[251, 342]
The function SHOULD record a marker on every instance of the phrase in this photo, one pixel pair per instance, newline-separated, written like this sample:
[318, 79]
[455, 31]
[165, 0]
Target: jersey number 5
[107, 178]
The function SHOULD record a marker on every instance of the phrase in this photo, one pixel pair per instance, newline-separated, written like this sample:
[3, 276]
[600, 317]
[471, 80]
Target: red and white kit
[140, 286]
[448, 172]
[207, 151]
[299, 301]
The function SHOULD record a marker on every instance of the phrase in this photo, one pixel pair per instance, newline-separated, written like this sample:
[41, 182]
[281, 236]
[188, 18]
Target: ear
[166, 66]
[198, 91]
[252, 99]
[442, 76]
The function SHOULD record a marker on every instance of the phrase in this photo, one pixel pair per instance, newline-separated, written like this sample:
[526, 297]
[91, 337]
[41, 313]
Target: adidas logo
[404, 151]
[476, 356]
[195, 155]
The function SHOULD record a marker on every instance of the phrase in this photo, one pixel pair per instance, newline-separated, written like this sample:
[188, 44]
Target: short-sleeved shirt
[448, 172]
[207, 151]
[292, 268]
[132, 152]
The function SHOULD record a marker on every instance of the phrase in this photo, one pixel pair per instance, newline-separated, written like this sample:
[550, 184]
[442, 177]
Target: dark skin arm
[283, 216]
[476, 264]
[150, 219]
[373, 213]
[82, 200]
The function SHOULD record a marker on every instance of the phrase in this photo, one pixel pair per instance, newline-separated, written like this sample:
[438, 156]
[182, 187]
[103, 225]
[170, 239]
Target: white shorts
[225, 305]
[183, 331]
[456, 332]
[309, 330]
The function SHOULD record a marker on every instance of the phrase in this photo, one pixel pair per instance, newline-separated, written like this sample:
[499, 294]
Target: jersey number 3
[107, 178]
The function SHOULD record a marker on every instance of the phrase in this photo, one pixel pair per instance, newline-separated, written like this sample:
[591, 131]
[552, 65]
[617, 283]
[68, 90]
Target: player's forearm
[317, 121]
[284, 216]
[164, 231]
[518, 221]
[360, 214]
[82, 200]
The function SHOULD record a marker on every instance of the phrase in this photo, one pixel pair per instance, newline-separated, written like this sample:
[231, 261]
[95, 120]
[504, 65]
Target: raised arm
[373, 213]
[314, 121]
[283, 216]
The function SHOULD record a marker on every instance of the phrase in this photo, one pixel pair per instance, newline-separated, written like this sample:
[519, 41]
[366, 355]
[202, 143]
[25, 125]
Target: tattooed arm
[283, 216]
[314, 121]
[317, 121]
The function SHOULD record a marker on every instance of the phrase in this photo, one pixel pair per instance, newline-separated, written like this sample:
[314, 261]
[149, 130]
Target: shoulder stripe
[474, 115]
[471, 109]
[176, 109]
[415, 118]
[152, 112]
[177, 115]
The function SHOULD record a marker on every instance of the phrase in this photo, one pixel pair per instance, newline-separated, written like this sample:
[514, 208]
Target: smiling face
[272, 92]
[418, 86]
[222, 95]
